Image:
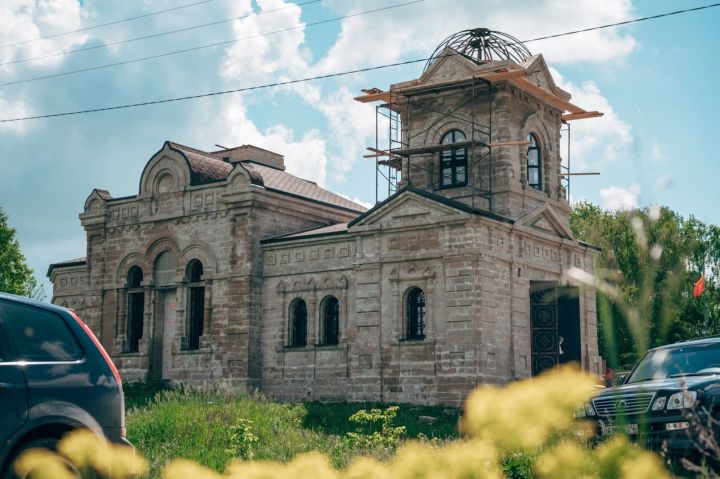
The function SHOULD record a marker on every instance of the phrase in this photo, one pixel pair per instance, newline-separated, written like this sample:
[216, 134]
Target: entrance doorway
[555, 323]
[163, 334]
[165, 316]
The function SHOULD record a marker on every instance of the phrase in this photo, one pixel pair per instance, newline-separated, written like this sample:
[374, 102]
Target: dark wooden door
[568, 301]
[555, 323]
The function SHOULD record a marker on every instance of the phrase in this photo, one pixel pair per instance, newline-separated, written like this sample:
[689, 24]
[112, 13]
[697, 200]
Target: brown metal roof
[284, 182]
[204, 167]
[210, 167]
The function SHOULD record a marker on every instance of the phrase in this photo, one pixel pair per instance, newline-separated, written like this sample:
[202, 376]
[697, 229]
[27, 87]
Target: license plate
[626, 428]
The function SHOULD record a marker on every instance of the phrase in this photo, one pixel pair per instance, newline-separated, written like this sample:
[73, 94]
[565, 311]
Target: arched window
[534, 163]
[298, 323]
[415, 314]
[135, 310]
[330, 320]
[453, 161]
[196, 304]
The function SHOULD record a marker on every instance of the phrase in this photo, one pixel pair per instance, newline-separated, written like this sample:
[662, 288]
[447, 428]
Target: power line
[115, 22]
[626, 22]
[155, 35]
[201, 47]
[217, 93]
[320, 77]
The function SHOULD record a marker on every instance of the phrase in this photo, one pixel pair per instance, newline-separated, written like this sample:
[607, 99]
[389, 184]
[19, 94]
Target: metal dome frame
[482, 45]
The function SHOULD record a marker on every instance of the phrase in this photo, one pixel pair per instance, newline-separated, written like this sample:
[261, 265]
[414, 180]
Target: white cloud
[350, 123]
[22, 20]
[305, 157]
[597, 141]
[375, 39]
[14, 109]
[616, 198]
[255, 58]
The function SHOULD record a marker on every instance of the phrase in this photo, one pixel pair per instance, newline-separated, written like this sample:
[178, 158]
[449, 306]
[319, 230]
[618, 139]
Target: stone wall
[476, 275]
[219, 224]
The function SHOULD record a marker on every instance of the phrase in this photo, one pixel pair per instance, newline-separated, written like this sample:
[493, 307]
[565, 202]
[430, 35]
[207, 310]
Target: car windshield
[678, 361]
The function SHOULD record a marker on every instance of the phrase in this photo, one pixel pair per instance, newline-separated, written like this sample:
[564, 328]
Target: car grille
[623, 404]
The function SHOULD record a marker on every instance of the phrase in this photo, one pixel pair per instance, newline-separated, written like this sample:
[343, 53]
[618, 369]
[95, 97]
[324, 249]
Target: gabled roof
[343, 228]
[437, 198]
[339, 228]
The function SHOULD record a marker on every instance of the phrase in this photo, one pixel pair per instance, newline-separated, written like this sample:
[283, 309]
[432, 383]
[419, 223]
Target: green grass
[168, 424]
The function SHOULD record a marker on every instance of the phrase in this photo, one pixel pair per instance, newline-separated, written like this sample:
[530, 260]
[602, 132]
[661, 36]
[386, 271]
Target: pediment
[166, 167]
[406, 209]
[539, 73]
[449, 67]
[545, 220]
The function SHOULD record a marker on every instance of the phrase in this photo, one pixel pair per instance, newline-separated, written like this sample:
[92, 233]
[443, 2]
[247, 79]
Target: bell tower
[481, 126]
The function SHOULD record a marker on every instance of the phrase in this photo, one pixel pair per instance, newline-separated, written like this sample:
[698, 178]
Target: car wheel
[43, 443]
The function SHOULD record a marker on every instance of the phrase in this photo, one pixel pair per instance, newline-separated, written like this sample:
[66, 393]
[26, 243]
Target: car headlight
[590, 410]
[683, 399]
[659, 403]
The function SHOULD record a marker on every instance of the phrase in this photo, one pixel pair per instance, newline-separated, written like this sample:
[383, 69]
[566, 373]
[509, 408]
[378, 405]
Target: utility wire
[155, 35]
[217, 93]
[626, 22]
[201, 47]
[115, 22]
[318, 77]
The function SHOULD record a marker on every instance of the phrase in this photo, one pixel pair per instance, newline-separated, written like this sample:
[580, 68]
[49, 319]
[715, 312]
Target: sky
[655, 81]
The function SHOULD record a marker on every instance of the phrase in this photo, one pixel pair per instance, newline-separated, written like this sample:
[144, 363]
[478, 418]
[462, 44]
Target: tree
[650, 260]
[16, 276]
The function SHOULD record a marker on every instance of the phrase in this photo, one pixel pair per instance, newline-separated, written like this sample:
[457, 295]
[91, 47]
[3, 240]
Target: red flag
[699, 287]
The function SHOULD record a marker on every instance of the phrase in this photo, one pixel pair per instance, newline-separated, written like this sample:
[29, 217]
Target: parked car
[55, 377]
[669, 395]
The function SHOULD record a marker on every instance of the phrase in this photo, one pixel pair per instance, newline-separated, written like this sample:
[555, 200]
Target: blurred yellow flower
[527, 413]
[42, 464]
[566, 461]
[530, 418]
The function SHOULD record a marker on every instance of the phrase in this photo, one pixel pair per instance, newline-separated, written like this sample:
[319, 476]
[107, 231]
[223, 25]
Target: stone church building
[226, 268]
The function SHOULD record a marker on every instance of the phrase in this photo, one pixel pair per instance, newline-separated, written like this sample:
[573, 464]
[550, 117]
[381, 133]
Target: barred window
[415, 314]
[330, 310]
[298, 323]
[534, 163]
[453, 161]
[196, 304]
[135, 310]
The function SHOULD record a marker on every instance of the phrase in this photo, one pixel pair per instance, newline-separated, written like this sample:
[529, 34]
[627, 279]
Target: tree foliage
[650, 260]
[16, 277]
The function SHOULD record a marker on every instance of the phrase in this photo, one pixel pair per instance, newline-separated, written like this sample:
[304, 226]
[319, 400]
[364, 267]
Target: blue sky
[654, 80]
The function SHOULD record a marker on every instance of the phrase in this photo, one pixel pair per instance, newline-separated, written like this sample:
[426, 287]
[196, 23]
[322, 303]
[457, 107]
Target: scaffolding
[397, 150]
[400, 151]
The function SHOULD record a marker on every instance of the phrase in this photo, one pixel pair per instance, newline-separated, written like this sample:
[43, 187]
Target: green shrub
[242, 440]
[375, 428]
[518, 465]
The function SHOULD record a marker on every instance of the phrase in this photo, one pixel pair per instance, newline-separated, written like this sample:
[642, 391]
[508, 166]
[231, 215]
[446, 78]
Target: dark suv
[669, 396]
[54, 377]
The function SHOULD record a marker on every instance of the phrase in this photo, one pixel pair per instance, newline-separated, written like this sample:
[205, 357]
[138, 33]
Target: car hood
[679, 383]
